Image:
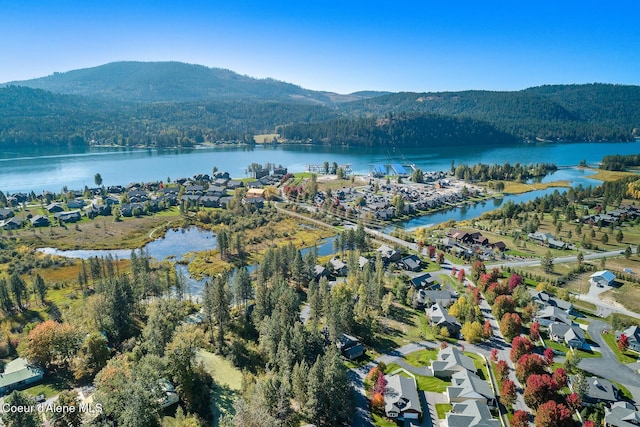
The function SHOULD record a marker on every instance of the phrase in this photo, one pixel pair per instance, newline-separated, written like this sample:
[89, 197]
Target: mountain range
[177, 104]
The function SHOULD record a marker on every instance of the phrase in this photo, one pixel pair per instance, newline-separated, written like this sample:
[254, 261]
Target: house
[401, 399]
[444, 298]
[411, 263]
[471, 413]
[17, 374]
[598, 390]
[388, 254]
[499, 245]
[466, 385]
[439, 316]
[6, 213]
[362, 262]
[339, 268]
[209, 201]
[572, 335]
[254, 192]
[451, 360]
[131, 209]
[460, 236]
[550, 314]
[216, 190]
[257, 174]
[40, 221]
[633, 333]
[602, 278]
[257, 202]
[75, 204]
[424, 281]
[544, 299]
[54, 207]
[169, 395]
[232, 184]
[621, 414]
[350, 347]
[319, 272]
[547, 239]
[93, 210]
[12, 223]
[70, 216]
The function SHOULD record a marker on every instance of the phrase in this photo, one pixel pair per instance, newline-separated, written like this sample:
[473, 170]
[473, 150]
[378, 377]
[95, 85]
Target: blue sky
[341, 46]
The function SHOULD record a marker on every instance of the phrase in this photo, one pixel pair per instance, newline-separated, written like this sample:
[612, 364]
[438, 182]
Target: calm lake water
[38, 170]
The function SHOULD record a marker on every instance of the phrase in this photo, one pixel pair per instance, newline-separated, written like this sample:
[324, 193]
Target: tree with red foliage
[502, 370]
[548, 356]
[440, 258]
[377, 402]
[560, 377]
[494, 354]
[454, 271]
[487, 329]
[431, 251]
[588, 423]
[528, 365]
[476, 296]
[519, 347]
[443, 345]
[574, 402]
[623, 342]
[520, 419]
[534, 331]
[502, 305]
[515, 280]
[477, 270]
[381, 384]
[510, 326]
[461, 274]
[508, 393]
[539, 389]
[552, 414]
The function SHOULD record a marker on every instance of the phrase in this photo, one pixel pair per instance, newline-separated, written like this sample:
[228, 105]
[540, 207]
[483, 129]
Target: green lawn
[228, 382]
[433, 384]
[421, 357]
[442, 409]
[564, 349]
[380, 421]
[478, 361]
[626, 357]
[50, 387]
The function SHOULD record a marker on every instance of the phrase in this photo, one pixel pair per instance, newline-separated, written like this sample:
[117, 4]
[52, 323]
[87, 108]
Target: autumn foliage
[519, 347]
[539, 389]
[520, 419]
[552, 414]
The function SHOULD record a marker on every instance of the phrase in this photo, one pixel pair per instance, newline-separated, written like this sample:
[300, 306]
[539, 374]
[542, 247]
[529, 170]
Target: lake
[51, 169]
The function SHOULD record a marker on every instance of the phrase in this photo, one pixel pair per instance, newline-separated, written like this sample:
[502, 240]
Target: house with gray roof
[388, 254]
[451, 360]
[339, 268]
[18, 374]
[598, 390]
[621, 414]
[550, 314]
[572, 335]
[544, 299]
[6, 213]
[439, 316]
[466, 385]
[424, 281]
[471, 413]
[401, 399]
[429, 297]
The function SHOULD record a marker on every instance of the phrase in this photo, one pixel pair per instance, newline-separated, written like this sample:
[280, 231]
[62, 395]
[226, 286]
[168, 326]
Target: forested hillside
[173, 104]
[406, 129]
[176, 81]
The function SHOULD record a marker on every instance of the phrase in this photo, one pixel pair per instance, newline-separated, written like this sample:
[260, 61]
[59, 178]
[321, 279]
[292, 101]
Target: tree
[548, 356]
[510, 326]
[502, 370]
[508, 393]
[539, 389]
[92, 356]
[520, 419]
[622, 342]
[461, 274]
[472, 332]
[502, 305]
[40, 288]
[519, 347]
[181, 354]
[527, 365]
[574, 402]
[560, 377]
[534, 331]
[477, 270]
[72, 417]
[440, 258]
[487, 329]
[619, 236]
[580, 258]
[52, 344]
[552, 414]
[605, 238]
[97, 179]
[494, 354]
[28, 418]
[571, 361]
[579, 384]
[547, 262]
[18, 289]
[515, 280]
[627, 252]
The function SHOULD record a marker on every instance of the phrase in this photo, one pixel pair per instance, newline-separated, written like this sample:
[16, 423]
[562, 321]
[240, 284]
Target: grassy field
[228, 382]
[513, 187]
[99, 233]
[380, 421]
[605, 175]
[421, 357]
[265, 138]
[433, 384]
